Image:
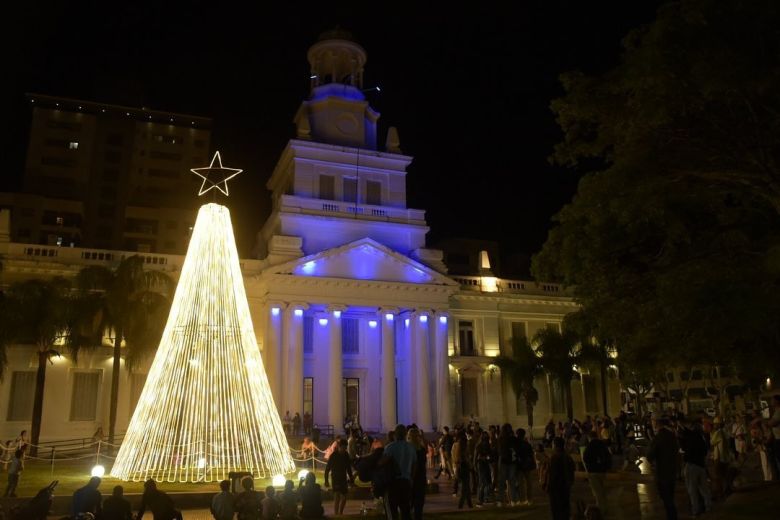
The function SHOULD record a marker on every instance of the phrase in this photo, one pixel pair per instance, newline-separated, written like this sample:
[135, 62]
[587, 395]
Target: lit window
[73, 145]
[60, 221]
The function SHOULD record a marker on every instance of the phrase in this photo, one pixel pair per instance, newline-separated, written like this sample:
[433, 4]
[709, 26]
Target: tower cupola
[337, 111]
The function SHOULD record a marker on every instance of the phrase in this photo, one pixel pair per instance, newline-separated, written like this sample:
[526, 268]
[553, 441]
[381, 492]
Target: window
[20, 402]
[556, 396]
[670, 377]
[73, 145]
[83, 402]
[137, 382]
[374, 193]
[308, 395]
[327, 183]
[308, 334]
[350, 336]
[684, 375]
[518, 329]
[350, 189]
[352, 397]
[591, 396]
[469, 398]
[696, 375]
[466, 338]
[59, 221]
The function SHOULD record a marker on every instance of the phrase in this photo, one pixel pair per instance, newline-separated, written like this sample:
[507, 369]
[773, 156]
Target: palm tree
[40, 310]
[559, 355]
[125, 300]
[592, 348]
[521, 368]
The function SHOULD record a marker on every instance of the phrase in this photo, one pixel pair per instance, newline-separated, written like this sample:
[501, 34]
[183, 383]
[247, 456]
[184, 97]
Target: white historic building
[354, 316]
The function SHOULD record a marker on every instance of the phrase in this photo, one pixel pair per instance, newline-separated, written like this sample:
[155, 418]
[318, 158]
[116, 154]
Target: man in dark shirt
[340, 468]
[88, 499]
[597, 460]
[694, 455]
[662, 454]
[116, 507]
[560, 479]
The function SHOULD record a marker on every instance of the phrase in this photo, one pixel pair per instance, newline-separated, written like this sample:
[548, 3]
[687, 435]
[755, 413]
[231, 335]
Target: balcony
[489, 284]
[293, 204]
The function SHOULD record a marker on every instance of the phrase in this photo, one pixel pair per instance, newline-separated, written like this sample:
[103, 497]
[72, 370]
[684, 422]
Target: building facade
[355, 317]
[108, 176]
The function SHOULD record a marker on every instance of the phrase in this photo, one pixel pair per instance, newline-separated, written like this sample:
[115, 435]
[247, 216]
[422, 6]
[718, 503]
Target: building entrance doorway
[352, 400]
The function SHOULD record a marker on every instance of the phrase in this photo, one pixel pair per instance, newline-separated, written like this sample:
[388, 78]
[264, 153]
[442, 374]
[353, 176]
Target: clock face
[347, 124]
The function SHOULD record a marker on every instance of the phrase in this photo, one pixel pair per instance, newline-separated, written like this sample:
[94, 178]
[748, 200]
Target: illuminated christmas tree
[206, 408]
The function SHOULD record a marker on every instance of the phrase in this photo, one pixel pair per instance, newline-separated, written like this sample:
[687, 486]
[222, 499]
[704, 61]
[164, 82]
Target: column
[293, 366]
[421, 386]
[335, 386]
[442, 370]
[272, 347]
[387, 318]
[321, 366]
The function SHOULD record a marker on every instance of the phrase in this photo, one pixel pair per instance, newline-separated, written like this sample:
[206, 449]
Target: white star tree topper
[216, 171]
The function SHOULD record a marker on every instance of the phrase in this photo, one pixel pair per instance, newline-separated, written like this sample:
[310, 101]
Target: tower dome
[337, 58]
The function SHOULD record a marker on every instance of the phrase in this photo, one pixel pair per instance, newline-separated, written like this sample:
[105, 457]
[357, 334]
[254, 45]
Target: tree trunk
[37, 415]
[529, 410]
[569, 402]
[115, 386]
[603, 368]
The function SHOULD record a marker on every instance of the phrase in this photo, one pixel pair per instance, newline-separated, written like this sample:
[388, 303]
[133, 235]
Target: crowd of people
[496, 465]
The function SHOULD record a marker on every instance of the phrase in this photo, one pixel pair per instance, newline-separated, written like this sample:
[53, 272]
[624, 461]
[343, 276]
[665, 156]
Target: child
[14, 470]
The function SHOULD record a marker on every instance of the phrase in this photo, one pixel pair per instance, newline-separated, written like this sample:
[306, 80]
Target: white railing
[351, 209]
[502, 285]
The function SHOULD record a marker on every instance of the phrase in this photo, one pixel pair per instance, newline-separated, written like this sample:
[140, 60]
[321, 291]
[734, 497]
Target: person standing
[248, 502]
[463, 470]
[597, 461]
[482, 460]
[759, 437]
[662, 454]
[270, 505]
[721, 458]
[223, 505]
[311, 497]
[526, 463]
[116, 507]
[296, 422]
[560, 479]
[445, 452]
[507, 483]
[158, 502]
[15, 469]
[419, 479]
[289, 502]
[403, 456]
[774, 425]
[694, 456]
[87, 499]
[340, 468]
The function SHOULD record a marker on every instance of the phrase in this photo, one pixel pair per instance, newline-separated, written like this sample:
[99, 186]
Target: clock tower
[337, 111]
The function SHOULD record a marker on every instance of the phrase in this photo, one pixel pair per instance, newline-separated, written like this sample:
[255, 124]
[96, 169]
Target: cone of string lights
[206, 408]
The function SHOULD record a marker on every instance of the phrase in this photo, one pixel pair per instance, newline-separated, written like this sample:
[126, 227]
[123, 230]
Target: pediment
[364, 259]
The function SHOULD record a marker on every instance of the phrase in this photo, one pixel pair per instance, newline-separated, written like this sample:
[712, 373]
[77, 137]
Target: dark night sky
[469, 90]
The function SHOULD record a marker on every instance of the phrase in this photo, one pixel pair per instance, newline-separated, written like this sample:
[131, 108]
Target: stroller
[36, 508]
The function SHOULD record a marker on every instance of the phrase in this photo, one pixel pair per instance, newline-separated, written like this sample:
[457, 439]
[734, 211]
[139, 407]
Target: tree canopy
[672, 241]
